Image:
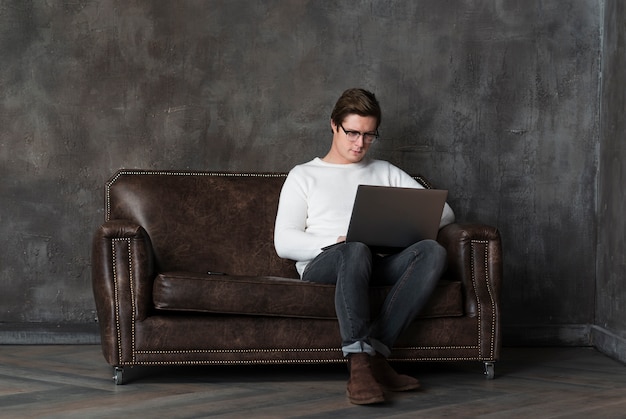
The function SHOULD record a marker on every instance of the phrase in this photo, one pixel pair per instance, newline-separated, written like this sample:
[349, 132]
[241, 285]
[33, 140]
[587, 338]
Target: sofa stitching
[247, 362]
[192, 173]
[492, 300]
[266, 350]
[117, 301]
[293, 361]
[297, 361]
[478, 303]
[131, 280]
[213, 351]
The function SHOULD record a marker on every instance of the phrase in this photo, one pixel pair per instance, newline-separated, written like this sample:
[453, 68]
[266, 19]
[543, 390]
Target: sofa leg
[490, 370]
[118, 375]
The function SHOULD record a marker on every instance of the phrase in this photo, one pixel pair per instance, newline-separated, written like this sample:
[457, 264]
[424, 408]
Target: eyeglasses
[368, 137]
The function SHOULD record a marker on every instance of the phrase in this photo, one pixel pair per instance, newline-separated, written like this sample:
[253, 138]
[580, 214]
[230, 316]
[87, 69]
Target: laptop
[392, 217]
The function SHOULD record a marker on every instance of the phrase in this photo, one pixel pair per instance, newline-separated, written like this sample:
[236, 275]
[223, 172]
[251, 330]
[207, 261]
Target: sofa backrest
[203, 221]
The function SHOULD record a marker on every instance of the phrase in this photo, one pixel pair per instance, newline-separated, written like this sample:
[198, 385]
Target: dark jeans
[413, 274]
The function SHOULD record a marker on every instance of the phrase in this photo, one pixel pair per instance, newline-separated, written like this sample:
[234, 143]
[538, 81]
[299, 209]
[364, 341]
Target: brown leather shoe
[362, 387]
[389, 378]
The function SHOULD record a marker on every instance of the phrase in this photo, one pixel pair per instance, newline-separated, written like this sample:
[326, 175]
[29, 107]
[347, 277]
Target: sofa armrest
[475, 259]
[122, 278]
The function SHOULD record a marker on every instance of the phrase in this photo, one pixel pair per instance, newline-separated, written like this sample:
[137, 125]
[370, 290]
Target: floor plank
[65, 381]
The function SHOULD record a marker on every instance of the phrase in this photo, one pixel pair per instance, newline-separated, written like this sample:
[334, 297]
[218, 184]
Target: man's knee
[439, 255]
[435, 248]
[433, 251]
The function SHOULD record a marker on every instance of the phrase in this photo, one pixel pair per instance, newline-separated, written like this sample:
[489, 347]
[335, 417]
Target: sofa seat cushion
[274, 296]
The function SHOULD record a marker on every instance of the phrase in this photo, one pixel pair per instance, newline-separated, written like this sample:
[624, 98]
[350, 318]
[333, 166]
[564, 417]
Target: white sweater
[316, 204]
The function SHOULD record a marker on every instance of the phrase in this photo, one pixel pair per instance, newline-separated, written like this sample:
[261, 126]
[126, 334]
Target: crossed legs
[412, 274]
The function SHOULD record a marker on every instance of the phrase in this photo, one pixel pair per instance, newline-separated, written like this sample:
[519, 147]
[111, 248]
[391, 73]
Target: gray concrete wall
[610, 324]
[497, 101]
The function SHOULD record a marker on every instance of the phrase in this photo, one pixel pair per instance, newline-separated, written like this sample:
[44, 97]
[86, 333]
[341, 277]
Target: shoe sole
[371, 400]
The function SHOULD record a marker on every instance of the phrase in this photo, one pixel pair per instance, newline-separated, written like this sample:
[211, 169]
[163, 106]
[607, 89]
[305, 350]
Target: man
[314, 212]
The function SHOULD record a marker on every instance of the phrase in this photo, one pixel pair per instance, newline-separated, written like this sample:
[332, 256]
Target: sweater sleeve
[291, 240]
[447, 217]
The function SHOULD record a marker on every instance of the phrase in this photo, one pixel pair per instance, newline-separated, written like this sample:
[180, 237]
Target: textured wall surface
[610, 334]
[497, 101]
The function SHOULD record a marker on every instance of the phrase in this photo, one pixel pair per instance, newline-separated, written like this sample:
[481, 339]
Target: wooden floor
[75, 382]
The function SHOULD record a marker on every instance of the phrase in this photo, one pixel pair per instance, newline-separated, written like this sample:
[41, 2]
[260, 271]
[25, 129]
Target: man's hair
[356, 101]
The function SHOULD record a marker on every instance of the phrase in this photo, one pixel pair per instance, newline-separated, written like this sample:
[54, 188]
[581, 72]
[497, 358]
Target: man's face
[343, 150]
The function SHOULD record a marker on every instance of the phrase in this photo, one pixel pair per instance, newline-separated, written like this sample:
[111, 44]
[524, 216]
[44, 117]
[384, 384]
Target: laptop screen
[395, 217]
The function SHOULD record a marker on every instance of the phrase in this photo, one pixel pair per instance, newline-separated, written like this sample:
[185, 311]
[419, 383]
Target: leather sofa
[184, 272]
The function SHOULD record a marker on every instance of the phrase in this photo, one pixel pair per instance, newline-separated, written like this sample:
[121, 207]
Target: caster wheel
[490, 370]
[118, 375]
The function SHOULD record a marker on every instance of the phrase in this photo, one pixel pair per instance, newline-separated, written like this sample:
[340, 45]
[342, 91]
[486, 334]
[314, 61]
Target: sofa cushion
[274, 296]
